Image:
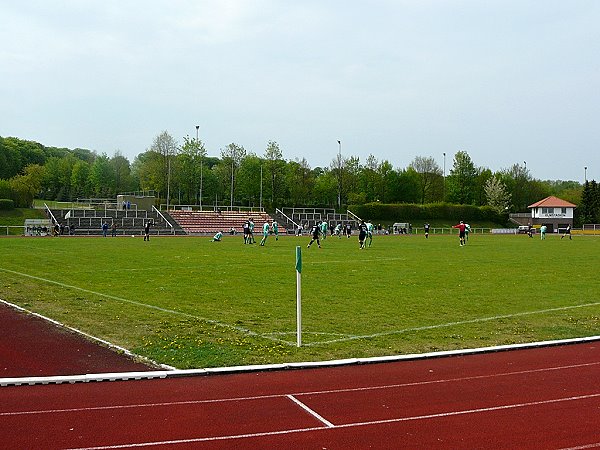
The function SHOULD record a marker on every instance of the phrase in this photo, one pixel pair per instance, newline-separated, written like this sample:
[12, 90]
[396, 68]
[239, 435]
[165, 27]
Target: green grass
[188, 302]
[16, 218]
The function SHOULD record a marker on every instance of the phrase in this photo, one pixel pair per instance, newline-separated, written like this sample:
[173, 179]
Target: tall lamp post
[444, 186]
[339, 174]
[198, 144]
[585, 174]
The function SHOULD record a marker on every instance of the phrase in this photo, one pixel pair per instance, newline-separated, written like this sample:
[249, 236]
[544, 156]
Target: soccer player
[426, 231]
[370, 229]
[147, 231]
[276, 230]
[543, 229]
[461, 232]
[324, 228]
[338, 230]
[265, 234]
[362, 234]
[567, 232]
[315, 231]
[348, 230]
[246, 229]
[251, 234]
[217, 237]
[467, 231]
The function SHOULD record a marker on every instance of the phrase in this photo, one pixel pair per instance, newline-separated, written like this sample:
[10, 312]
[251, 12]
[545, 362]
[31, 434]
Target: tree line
[183, 172]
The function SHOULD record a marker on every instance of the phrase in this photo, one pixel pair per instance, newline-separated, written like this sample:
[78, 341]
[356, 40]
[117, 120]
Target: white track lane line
[312, 412]
[348, 425]
[298, 394]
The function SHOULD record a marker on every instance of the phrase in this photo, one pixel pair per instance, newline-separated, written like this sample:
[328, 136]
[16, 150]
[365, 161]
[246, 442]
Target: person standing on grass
[147, 231]
[246, 228]
[104, 228]
[362, 234]
[315, 231]
[467, 231]
[113, 229]
[567, 232]
[276, 230]
[426, 231]
[370, 229]
[461, 232]
[265, 234]
[543, 229]
[251, 234]
[324, 228]
[348, 230]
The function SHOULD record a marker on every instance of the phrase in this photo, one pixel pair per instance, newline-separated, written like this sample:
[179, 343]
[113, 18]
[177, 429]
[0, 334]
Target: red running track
[527, 399]
[31, 346]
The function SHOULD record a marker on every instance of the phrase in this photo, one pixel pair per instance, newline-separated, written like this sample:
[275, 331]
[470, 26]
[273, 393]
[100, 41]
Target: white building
[553, 212]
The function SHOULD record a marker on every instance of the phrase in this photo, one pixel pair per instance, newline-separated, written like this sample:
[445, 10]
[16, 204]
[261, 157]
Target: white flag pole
[298, 296]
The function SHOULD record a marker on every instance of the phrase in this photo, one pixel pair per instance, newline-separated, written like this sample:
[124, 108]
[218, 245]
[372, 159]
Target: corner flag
[298, 259]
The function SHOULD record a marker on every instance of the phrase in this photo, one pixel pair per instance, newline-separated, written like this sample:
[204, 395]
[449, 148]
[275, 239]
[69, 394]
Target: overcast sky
[507, 81]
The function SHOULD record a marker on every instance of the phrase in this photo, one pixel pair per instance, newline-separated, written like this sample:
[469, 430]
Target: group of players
[320, 229]
[248, 231]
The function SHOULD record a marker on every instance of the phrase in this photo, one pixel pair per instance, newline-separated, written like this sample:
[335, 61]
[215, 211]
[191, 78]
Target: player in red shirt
[461, 232]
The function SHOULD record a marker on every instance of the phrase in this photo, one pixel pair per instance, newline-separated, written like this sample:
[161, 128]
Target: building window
[547, 210]
[563, 210]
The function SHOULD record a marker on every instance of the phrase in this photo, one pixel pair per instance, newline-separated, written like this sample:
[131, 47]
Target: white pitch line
[312, 412]
[348, 425]
[451, 324]
[298, 394]
[146, 305]
[583, 447]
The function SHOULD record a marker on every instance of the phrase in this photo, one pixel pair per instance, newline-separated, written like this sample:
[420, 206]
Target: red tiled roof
[553, 202]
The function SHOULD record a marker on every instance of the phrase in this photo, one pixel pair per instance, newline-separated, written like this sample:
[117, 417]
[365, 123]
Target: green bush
[409, 212]
[6, 204]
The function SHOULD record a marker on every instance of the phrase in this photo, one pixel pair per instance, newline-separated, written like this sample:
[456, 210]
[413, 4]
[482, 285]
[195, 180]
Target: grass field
[190, 303]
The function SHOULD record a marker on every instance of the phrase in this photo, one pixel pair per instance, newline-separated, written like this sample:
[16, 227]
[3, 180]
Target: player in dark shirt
[246, 229]
[362, 233]
[315, 233]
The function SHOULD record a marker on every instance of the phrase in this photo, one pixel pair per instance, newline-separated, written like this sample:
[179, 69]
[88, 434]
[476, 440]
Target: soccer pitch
[191, 303]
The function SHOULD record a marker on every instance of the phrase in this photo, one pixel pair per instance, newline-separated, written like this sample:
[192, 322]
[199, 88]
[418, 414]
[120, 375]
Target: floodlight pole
[198, 144]
[585, 174]
[339, 174]
[444, 187]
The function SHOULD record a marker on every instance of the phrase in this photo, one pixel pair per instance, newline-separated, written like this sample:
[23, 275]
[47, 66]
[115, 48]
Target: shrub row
[407, 212]
[6, 204]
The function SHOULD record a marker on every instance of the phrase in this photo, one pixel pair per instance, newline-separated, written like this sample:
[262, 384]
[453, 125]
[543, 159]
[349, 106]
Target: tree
[589, 209]
[102, 177]
[27, 186]
[190, 175]
[428, 171]
[300, 181]
[406, 188]
[231, 159]
[249, 181]
[497, 195]
[275, 169]
[516, 179]
[80, 180]
[122, 173]
[165, 146]
[462, 179]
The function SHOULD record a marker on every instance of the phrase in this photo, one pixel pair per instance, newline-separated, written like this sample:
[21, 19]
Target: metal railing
[164, 218]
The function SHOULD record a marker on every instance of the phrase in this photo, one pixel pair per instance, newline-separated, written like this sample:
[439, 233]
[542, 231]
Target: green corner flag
[298, 259]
